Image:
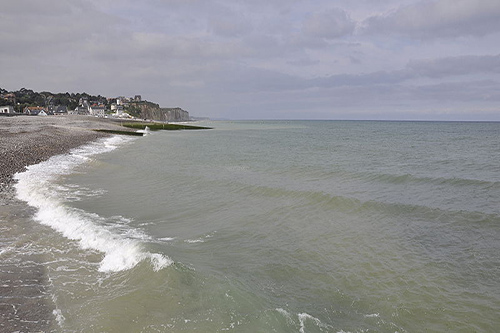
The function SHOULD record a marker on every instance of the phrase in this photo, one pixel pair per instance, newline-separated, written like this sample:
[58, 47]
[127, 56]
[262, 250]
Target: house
[81, 110]
[97, 110]
[34, 110]
[60, 109]
[122, 101]
[7, 109]
[118, 109]
[84, 102]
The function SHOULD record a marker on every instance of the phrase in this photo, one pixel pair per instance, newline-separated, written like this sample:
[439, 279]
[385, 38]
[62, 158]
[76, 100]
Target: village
[84, 108]
[28, 102]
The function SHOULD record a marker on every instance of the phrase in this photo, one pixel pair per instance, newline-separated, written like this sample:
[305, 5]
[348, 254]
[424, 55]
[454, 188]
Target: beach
[26, 140]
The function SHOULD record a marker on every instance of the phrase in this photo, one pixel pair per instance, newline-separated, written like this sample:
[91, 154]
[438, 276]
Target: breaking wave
[37, 188]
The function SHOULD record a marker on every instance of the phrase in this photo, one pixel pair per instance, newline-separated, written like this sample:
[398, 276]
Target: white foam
[305, 316]
[193, 241]
[59, 316]
[166, 239]
[286, 314]
[36, 187]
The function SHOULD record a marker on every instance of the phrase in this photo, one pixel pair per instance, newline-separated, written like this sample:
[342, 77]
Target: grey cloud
[303, 62]
[231, 27]
[451, 66]
[227, 22]
[29, 27]
[459, 92]
[247, 79]
[330, 24]
[439, 19]
[375, 78]
[252, 79]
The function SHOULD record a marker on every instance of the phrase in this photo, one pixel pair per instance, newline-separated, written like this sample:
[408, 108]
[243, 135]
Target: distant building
[83, 102]
[7, 109]
[34, 111]
[97, 110]
[81, 110]
[137, 98]
[122, 101]
[60, 109]
[118, 110]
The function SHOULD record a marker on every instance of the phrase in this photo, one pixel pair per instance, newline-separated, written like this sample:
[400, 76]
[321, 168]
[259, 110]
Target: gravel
[26, 140]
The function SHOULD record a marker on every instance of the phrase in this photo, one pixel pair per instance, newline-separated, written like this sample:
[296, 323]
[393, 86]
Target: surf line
[36, 187]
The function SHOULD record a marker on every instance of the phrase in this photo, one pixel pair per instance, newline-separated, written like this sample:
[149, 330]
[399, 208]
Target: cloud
[252, 80]
[460, 65]
[29, 27]
[439, 19]
[230, 24]
[330, 24]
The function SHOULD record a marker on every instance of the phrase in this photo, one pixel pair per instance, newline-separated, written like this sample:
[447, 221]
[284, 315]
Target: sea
[271, 226]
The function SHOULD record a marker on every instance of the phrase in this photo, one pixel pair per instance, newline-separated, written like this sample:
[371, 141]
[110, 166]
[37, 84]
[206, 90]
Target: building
[122, 101]
[83, 102]
[34, 111]
[118, 109]
[7, 109]
[60, 109]
[97, 110]
[81, 110]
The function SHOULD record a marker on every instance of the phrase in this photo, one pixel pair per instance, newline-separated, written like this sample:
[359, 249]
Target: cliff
[148, 110]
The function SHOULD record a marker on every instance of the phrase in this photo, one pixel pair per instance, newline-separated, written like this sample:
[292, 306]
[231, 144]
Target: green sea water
[284, 226]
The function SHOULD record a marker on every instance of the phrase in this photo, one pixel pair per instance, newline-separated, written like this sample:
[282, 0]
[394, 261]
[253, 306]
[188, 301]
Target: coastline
[27, 140]
[25, 304]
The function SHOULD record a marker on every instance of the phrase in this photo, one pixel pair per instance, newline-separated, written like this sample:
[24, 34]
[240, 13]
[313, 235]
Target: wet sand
[25, 303]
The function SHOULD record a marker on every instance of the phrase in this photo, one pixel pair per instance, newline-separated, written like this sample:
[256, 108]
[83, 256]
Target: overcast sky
[264, 59]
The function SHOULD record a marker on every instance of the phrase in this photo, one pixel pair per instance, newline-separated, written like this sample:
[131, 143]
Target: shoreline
[27, 140]
[25, 303]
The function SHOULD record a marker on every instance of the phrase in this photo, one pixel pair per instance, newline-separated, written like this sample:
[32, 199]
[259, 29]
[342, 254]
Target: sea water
[285, 226]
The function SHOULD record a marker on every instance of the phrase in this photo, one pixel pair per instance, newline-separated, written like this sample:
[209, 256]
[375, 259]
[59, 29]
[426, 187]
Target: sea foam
[36, 187]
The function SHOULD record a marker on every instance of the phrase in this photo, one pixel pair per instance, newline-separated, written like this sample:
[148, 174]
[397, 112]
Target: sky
[264, 59]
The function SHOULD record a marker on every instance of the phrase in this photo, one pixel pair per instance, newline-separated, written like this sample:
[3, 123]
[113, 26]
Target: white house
[34, 110]
[97, 110]
[119, 110]
[80, 110]
[7, 109]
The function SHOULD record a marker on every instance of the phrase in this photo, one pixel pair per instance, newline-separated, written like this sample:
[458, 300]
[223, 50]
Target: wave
[325, 201]
[37, 188]
[393, 178]
[302, 319]
[408, 178]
